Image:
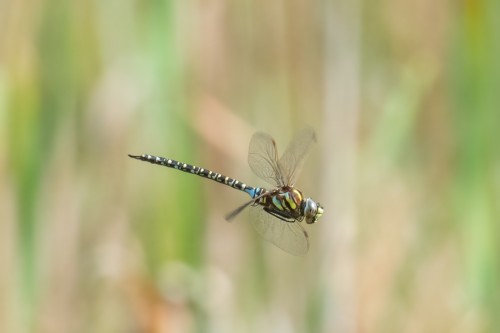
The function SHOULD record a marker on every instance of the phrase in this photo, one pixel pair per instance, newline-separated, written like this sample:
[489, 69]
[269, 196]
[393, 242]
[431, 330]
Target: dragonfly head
[312, 211]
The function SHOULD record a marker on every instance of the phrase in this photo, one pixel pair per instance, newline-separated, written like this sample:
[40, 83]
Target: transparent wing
[238, 210]
[288, 236]
[292, 160]
[263, 158]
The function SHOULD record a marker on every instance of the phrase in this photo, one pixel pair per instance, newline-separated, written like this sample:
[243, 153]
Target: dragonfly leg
[280, 215]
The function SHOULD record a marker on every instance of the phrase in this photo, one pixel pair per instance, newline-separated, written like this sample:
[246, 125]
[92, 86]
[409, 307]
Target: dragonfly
[276, 212]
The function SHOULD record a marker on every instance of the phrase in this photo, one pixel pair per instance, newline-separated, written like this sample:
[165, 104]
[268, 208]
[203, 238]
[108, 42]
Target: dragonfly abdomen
[220, 178]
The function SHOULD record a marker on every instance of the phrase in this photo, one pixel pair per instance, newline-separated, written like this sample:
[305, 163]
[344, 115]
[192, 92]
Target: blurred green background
[404, 97]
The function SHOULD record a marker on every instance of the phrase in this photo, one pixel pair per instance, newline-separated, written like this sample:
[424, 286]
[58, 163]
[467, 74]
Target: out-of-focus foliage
[403, 96]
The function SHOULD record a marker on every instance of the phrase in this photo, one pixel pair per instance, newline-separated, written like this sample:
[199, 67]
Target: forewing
[263, 158]
[292, 160]
[288, 236]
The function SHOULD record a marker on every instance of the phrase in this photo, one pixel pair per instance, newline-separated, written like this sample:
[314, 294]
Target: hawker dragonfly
[275, 213]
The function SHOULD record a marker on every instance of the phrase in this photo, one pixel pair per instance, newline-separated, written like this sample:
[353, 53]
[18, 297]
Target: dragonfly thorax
[286, 202]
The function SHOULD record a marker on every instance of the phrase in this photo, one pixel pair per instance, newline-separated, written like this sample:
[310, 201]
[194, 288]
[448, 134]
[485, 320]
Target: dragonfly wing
[288, 236]
[292, 160]
[263, 158]
[237, 211]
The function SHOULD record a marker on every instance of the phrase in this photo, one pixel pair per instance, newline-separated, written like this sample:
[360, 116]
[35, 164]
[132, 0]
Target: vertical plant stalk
[342, 89]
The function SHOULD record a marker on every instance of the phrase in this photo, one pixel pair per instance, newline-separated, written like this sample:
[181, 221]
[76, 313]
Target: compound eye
[310, 211]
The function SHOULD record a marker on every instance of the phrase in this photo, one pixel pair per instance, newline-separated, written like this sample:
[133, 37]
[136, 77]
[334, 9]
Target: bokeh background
[404, 97]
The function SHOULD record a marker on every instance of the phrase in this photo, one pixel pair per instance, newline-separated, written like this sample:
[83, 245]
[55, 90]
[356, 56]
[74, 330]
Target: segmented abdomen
[253, 192]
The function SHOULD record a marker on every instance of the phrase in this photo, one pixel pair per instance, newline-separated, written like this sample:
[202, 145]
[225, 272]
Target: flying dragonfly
[276, 212]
